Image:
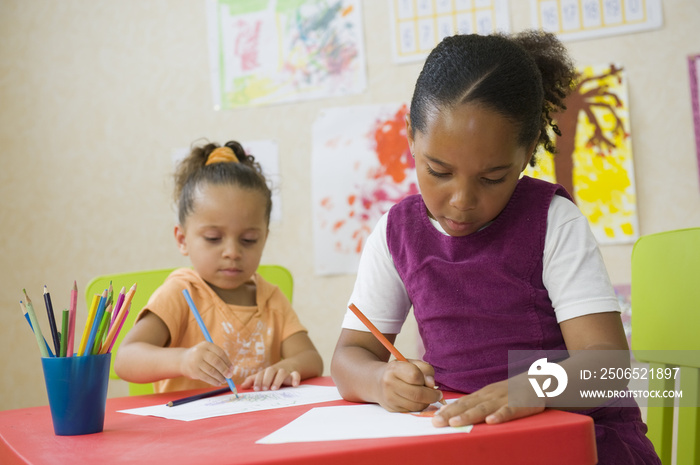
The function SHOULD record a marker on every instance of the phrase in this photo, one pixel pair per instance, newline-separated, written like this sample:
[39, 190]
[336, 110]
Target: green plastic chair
[666, 334]
[147, 283]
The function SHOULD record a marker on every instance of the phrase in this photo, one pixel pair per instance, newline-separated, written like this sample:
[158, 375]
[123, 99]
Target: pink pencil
[71, 319]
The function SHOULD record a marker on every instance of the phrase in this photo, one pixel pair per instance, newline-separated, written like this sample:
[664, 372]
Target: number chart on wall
[587, 19]
[419, 25]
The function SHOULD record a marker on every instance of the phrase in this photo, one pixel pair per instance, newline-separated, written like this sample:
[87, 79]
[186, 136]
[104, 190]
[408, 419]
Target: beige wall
[95, 96]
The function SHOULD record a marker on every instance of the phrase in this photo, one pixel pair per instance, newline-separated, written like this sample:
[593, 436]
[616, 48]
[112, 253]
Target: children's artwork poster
[588, 19]
[267, 154]
[694, 71]
[361, 166]
[278, 51]
[594, 154]
[419, 25]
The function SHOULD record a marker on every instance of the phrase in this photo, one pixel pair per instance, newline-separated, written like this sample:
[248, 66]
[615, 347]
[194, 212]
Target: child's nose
[231, 249]
[463, 198]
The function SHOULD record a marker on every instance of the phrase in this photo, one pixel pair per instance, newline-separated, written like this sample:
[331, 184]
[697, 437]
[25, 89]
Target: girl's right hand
[408, 386]
[207, 362]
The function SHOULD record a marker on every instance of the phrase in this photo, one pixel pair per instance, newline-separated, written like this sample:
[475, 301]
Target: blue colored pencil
[96, 324]
[200, 322]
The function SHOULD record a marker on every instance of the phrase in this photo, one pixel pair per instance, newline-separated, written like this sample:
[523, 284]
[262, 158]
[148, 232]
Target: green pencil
[106, 318]
[35, 325]
[64, 333]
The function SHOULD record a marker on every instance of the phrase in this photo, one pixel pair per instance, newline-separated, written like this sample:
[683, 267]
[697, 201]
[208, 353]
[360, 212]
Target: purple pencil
[118, 306]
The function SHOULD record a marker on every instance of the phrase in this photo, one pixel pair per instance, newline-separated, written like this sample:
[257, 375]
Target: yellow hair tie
[221, 155]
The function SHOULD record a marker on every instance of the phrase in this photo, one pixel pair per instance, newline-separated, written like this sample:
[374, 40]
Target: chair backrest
[666, 333]
[147, 282]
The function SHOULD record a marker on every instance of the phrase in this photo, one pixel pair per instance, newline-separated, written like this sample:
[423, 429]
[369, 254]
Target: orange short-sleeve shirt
[251, 336]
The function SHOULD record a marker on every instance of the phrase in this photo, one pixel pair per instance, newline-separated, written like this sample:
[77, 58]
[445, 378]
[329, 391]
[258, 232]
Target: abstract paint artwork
[594, 154]
[276, 51]
[361, 166]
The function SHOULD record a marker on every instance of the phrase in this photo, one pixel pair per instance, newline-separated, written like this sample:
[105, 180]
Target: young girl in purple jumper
[490, 261]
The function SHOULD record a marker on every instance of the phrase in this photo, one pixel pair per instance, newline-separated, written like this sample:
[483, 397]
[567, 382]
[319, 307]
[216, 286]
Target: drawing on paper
[594, 154]
[275, 51]
[361, 166]
[246, 402]
[270, 398]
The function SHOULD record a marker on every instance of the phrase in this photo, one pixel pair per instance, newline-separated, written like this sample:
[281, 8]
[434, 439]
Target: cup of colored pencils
[77, 381]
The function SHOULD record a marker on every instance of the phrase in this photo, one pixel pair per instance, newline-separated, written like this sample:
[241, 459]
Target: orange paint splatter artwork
[357, 178]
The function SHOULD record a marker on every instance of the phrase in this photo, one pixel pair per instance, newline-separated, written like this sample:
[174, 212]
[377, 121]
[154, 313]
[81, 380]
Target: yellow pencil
[88, 323]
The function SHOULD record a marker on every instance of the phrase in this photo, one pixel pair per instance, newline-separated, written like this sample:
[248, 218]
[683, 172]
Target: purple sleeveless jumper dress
[478, 296]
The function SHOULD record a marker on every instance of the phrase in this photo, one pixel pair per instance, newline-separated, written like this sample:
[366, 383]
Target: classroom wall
[96, 95]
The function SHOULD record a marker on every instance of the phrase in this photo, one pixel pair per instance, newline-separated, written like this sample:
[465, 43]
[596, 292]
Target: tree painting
[594, 154]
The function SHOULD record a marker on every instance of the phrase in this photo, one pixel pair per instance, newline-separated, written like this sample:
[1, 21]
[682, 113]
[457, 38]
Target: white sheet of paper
[355, 422]
[246, 402]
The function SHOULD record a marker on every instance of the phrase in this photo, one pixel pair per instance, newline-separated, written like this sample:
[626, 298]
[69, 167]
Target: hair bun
[222, 155]
[237, 149]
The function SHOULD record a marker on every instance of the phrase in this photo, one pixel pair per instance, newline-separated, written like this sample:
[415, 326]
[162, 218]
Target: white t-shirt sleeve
[574, 273]
[379, 292]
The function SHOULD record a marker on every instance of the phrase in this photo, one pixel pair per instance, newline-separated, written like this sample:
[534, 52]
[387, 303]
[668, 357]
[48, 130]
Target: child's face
[468, 162]
[225, 234]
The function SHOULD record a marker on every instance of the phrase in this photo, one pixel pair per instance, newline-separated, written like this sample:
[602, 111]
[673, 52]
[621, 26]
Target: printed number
[550, 20]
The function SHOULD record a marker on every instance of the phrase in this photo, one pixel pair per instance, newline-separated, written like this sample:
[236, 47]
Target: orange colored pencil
[378, 334]
[381, 338]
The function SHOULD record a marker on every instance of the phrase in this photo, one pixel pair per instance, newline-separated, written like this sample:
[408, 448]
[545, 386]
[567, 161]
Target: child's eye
[250, 241]
[211, 239]
[493, 181]
[437, 174]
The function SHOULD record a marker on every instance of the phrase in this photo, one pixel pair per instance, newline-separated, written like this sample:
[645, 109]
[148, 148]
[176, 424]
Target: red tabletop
[27, 437]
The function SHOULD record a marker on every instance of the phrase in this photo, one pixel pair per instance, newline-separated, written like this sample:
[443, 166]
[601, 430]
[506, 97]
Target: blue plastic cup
[77, 389]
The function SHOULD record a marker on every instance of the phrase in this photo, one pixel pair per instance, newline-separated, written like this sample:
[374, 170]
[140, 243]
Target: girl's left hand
[489, 404]
[271, 379]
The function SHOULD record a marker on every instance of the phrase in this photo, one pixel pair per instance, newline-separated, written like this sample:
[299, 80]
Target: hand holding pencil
[205, 332]
[381, 338]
